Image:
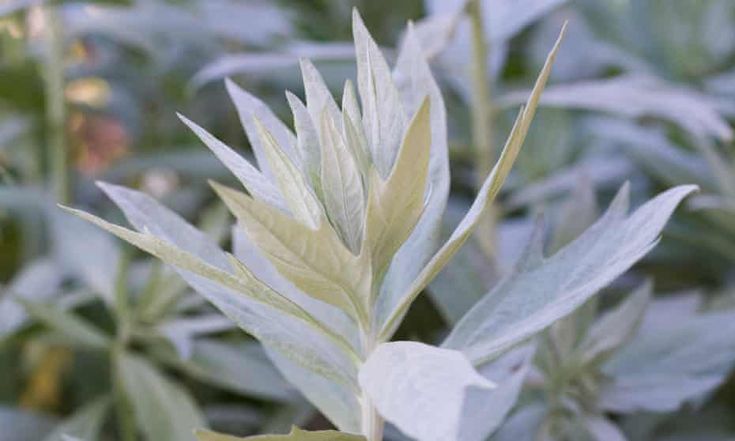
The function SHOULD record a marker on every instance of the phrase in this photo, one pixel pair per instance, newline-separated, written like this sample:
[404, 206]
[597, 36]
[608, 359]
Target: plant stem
[124, 413]
[57, 150]
[482, 120]
[372, 422]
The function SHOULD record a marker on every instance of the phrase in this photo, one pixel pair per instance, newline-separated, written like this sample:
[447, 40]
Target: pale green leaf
[395, 205]
[295, 435]
[488, 191]
[251, 178]
[353, 130]
[318, 97]
[383, 115]
[77, 330]
[316, 261]
[294, 188]
[307, 141]
[617, 326]
[342, 186]
[256, 308]
[84, 424]
[163, 409]
[250, 109]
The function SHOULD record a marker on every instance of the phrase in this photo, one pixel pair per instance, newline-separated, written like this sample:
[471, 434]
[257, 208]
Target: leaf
[295, 435]
[541, 291]
[602, 429]
[617, 326]
[38, 281]
[383, 116]
[318, 97]
[163, 409]
[24, 425]
[299, 198]
[415, 83]
[307, 142]
[251, 178]
[422, 389]
[251, 109]
[341, 184]
[244, 299]
[636, 96]
[680, 358]
[67, 324]
[316, 261]
[84, 424]
[182, 331]
[487, 193]
[395, 205]
[242, 368]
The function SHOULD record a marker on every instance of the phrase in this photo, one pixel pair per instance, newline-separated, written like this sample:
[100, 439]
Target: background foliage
[101, 342]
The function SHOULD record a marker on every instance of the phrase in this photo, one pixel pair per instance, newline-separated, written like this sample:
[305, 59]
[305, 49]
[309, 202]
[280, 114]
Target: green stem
[57, 150]
[123, 410]
[482, 120]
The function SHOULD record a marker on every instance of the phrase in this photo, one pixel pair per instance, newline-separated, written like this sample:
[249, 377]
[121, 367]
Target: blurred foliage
[643, 91]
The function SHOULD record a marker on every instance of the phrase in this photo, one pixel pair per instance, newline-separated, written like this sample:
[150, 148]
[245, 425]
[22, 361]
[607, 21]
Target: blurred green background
[94, 335]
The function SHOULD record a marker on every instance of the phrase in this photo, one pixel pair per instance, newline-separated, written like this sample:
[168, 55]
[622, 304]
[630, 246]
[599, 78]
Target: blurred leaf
[295, 435]
[163, 409]
[24, 425]
[639, 96]
[38, 281]
[77, 330]
[84, 424]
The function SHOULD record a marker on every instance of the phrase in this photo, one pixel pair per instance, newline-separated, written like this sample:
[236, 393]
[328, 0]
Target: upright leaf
[396, 204]
[383, 115]
[342, 186]
[487, 193]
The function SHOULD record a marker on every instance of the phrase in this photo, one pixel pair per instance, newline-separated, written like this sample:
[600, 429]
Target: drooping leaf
[163, 409]
[487, 193]
[541, 291]
[422, 389]
[295, 435]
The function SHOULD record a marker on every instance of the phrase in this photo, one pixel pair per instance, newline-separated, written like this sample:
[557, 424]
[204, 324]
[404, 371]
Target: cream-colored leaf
[296, 191]
[295, 435]
[383, 115]
[242, 281]
[307, 141]
[353, 130]
[342, 186]
[395, 205]
[488, 191]
[314, 260]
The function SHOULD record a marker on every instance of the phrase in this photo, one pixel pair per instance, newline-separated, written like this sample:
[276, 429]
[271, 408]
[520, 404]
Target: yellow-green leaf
[315, 260]
[395, 205]
[295, 435]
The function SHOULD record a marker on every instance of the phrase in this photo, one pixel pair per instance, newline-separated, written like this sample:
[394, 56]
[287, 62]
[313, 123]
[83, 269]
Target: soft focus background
[100, 341]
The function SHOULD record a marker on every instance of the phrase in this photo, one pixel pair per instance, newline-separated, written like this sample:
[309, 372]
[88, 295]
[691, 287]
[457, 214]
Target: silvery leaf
[422, 389]
[383, 116]
[543, 290]
[38, 281]
[488, 191]
[78, 331]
